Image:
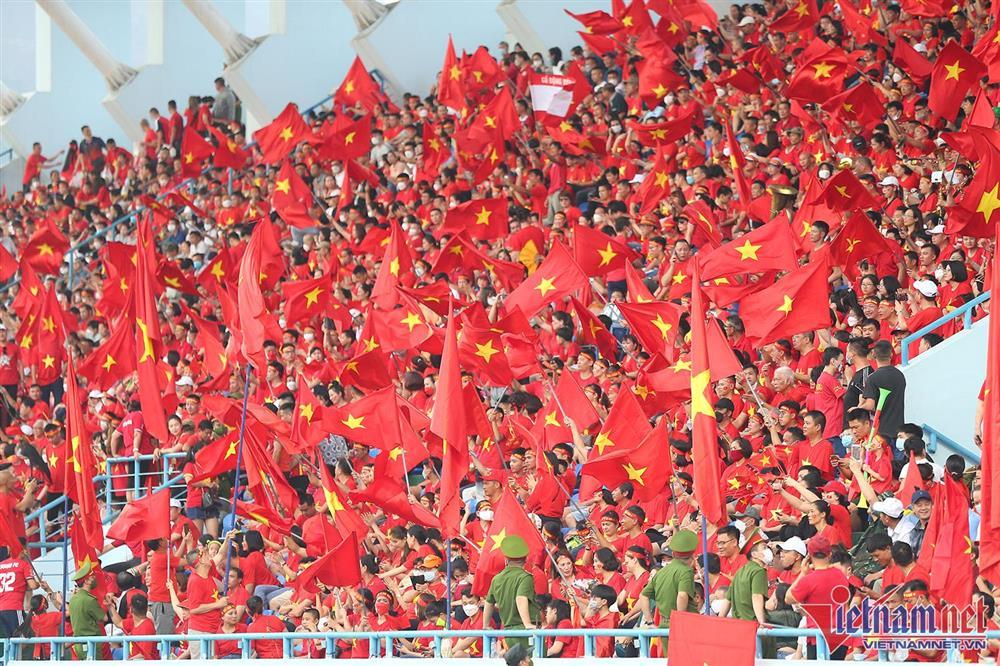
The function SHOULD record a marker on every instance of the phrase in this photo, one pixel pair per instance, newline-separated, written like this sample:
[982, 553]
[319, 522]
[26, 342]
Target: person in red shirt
[16, 579]
[816, 584]
[204, 603]
[264, 624]
[920, 310]
[138, 623]
[230, 649]
[727, 545]
[161, 610]
[598, 615]
[35, 163]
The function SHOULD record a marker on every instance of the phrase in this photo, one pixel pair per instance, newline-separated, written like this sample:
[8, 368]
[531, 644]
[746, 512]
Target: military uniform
[676, 577]
[513, 582]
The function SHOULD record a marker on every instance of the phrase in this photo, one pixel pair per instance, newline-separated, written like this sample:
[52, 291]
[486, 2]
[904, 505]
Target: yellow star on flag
[786, 306]
[660, 90]
[823, 70]
[551, 419]
[109, 361]
[954, 70]
[664, 327]
[394, 266]
[546, 285]
[681, 366]
[748, 251]
[283, 186]
[412, 320]
[454, 72]
[851, 242]
[635, 474]
[642, 391]
[602, 442]
[354, 422]
[607, 254]
[349, 86]
[699, 401]
[306, 412]
[49, 361]
[312, 297]
[498, 539]
[483, 216]
[486, 351]
[147, 342]
[45, 248]
[989, 202]
[286, 134]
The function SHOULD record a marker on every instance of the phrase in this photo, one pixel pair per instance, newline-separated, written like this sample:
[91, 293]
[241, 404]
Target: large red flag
[711, 641]
[796, 303]
[557, 277]
[704, 446]
[194, 151]
[989, 535]
[144, 519]
[645, 464]
[45, 249]
[450, 91]
[955, 72]
[81, 466]
[282, 135]
[338, 568]
[448, 423]
[252, 307]
[947, 549]
[770, 247]
[147, 336]
[357, 86]
[509, 519]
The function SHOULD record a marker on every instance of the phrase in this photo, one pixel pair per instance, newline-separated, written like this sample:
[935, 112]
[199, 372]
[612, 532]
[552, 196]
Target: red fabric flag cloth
[911, 482]
[987, 49]
[860, 103]
[975, 214]
[625, 426]
[8, 265]
[635, 19]
[45, 249]
[253, 310]
[770, 247]
[228, 154]
[450, 90]
[912, 61]
[143, 519]
[291, 198]
[306, 299]
[497, 118]
[597, 253]
[844, 192]
[667, 132]
[657, 77]
[803, 17]
[371, 419]
[81, 466]
[645, 465]
[955, 72]
[797, 303]
[821, 76]
[286, 131]
[704, 446]
[194, 151]
[147, 336]
[346, 138]
[217, 458]
[927, 8]
[557, 277]
[390, 496]
[593, 331]
[481, 351]
[396, 266]
[989, 533]
[509, 519]
[343, 516]
[655, 325]
[858, 240]
[706, 640]
[357, 86]
[338, 568]
[947, 550]
[264, 515]
[307, 419]
[448, 423]
[552, 97]
[481, 219]
[597, 22]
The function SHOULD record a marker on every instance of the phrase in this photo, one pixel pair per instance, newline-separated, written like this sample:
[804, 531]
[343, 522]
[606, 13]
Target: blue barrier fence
[934, 438]
[965, 312]
[384, 643]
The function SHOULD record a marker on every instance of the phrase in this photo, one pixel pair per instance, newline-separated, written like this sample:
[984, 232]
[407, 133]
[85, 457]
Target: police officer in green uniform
[672, 587]
[512, 592]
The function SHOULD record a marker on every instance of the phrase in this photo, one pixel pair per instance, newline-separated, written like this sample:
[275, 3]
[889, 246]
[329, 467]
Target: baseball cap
[939, 229]
[185, 381]
[920, 494]
[926, 287]
[746, 20]
[835, 487]
[176, 503]
[889, 180]
[95, 394]
[818, 545]
[795, 544]
[890, 506]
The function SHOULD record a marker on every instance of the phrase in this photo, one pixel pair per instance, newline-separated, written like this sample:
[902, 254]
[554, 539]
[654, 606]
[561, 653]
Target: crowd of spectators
[838, 504]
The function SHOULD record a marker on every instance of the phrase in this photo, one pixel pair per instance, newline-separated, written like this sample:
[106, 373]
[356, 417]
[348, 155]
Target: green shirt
[506, 587]
[87, 618]
[663, 587]
[749, 579]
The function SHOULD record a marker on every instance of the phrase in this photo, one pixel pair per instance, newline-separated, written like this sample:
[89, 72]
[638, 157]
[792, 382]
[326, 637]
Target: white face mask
[470, 609]
[290, 384]
[430, 575]
[938, 273]
[407, 153]
[419, 271]
[900, 443]
[401, 186]
[852, 321]
[485, 514]
[766, 556]
[824, 174]
[308, 337]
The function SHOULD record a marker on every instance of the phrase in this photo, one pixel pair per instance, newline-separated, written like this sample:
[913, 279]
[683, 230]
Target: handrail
[964, 311]
[376, 639]
[935, 436]
[9, 154]
[104, 232]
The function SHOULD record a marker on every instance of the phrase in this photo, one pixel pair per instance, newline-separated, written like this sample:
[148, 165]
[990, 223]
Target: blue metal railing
[6, 157]
[47, 538]
[383, 643]
[964, 311]
[934, 437]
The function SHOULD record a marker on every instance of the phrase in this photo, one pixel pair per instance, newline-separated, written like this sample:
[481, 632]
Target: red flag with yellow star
[346, 138]
[597, 22]
[113, 361]
[366, 371]
[821, 76]
[265, 515]
[557, 277]
[147, 336]
[450, 90]
[947, 549]
[497, 118]
[397, 262]
[955, 72]
[860, 103]
[481, 350]
[81, 465]
[797, 303]
[858, 240]
[509, 519]
[593, 331]
[481, 219]
[704, 446]
[975, 214]
[307, 420]
[657, 77]
[194, 151]
[654, 325]
[770, 247]
[844, 192]
[228, 154]
[645, 465]
[45, 249]
[597, 253]
[624, 428]
[357, 86]
[268, 483]
[254, 320]
[345, 519]
[448, 421]
[655, 187]
[711, 641]
[217, 458]
[371, 419]
[668, 131]
[989, 531]
[801, 18]
[291, 198]
[280, 137]
[306, 299]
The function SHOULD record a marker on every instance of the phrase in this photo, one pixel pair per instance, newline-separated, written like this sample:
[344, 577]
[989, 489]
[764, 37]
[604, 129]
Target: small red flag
[45, 249]
[285, 132]
[770, 247]
[947, 549]
[450, 91]
[481, 219]
[194, 151]
[955, 72]
[597, 22]
[797, 303]
[144, 519]
[645, 465]
[597, 253]
[557, 277]
[715, 641]
[448, 423]
[357, 86]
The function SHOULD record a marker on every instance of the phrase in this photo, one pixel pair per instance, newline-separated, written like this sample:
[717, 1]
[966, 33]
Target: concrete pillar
[366, 13]
[115, 74]
[520, 27]
[235, 44]
[10, 100]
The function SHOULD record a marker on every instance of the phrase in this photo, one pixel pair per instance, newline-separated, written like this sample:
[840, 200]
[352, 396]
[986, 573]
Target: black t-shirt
[855, 389]
[890, 378]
